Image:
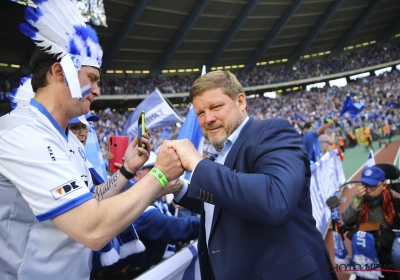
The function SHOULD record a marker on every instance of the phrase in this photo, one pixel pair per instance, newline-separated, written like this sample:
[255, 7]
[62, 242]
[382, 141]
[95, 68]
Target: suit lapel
[234, 151]
[230, 162]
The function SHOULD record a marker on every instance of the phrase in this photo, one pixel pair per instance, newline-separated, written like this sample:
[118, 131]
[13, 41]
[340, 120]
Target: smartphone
[141, 130]
[117, 146]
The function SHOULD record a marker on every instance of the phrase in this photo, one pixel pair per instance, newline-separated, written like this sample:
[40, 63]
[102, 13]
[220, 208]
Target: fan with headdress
[58, 28]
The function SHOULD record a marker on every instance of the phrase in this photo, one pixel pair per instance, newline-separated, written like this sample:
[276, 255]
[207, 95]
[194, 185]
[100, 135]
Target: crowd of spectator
[380, 95]
[259, 75]
[315, 68]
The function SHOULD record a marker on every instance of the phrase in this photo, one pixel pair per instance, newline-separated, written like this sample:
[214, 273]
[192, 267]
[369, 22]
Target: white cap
[151, 161]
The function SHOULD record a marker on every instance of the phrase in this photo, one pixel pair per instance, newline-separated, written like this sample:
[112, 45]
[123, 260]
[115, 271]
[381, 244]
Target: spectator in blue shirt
[310, 138]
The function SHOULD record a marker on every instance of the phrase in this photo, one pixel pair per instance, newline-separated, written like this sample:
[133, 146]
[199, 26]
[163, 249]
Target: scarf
[341, 253]
[387, 206]
[365, 256]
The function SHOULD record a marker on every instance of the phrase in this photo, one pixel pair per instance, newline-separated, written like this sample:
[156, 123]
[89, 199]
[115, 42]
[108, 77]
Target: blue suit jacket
[262, 226]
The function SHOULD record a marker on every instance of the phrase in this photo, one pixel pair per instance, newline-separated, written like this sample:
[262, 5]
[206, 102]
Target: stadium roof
[156, 36]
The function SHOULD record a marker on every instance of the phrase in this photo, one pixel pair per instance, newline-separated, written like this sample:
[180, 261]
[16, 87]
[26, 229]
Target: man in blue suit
[254, 199]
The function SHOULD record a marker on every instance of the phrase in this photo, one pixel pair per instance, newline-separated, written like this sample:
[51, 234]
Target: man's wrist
[357, 200]
[178, 195]
[159, 176]
[178, 191]
[126, 173]
[193, 164]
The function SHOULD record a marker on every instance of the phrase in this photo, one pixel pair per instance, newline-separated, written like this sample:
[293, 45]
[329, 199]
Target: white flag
[371, 159]
[158, 113]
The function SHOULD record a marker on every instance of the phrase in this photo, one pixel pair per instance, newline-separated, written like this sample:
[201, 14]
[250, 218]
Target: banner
[326, 177]
[183, 265]
[157, 111]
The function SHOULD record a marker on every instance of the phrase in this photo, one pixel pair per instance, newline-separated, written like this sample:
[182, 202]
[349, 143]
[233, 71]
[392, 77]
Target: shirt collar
[44, 111]
[231, 139]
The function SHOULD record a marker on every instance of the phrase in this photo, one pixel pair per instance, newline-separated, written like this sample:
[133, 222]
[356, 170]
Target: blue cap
[89, 117]
[151, 161]
[372, 176]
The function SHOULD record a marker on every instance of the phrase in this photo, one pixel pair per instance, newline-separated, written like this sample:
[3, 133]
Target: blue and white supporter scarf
[341, 253]
[365, 257]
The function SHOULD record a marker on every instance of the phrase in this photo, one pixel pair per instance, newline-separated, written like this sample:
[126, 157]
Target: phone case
[117, 146]
[141, 130]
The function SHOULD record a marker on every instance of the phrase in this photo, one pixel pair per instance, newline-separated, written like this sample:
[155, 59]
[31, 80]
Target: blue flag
[352, 108]
[158, 113]
[192, 131]
[93, 152]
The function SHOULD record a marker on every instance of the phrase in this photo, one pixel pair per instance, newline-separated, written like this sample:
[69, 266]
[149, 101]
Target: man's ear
[57, 72]
[241, 98]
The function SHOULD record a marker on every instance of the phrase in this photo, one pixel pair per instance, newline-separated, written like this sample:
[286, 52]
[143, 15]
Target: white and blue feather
[23, 94]
[58, 27]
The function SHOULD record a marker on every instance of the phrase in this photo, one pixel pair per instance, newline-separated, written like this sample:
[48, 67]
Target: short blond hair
[217, 79]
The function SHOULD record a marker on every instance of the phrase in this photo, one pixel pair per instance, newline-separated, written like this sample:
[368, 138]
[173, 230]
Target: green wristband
[356, 200]
[160, 176]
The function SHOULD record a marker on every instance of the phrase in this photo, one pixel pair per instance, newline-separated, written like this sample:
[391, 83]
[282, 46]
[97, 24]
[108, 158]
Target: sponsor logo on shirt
[51, 153]
[82, 153]
[65, 189]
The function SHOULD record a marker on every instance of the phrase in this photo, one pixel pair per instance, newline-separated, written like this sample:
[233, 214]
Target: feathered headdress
[58, 27]
[23, 94]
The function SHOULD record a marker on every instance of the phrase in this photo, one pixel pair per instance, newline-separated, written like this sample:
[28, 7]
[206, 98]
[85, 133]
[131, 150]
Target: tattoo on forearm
[102, 189]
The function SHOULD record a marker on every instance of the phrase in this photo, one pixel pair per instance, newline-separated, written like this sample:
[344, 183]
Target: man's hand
[360, 191]
[132, 159]
[168, 162]
[187, 153]
[173, 186]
